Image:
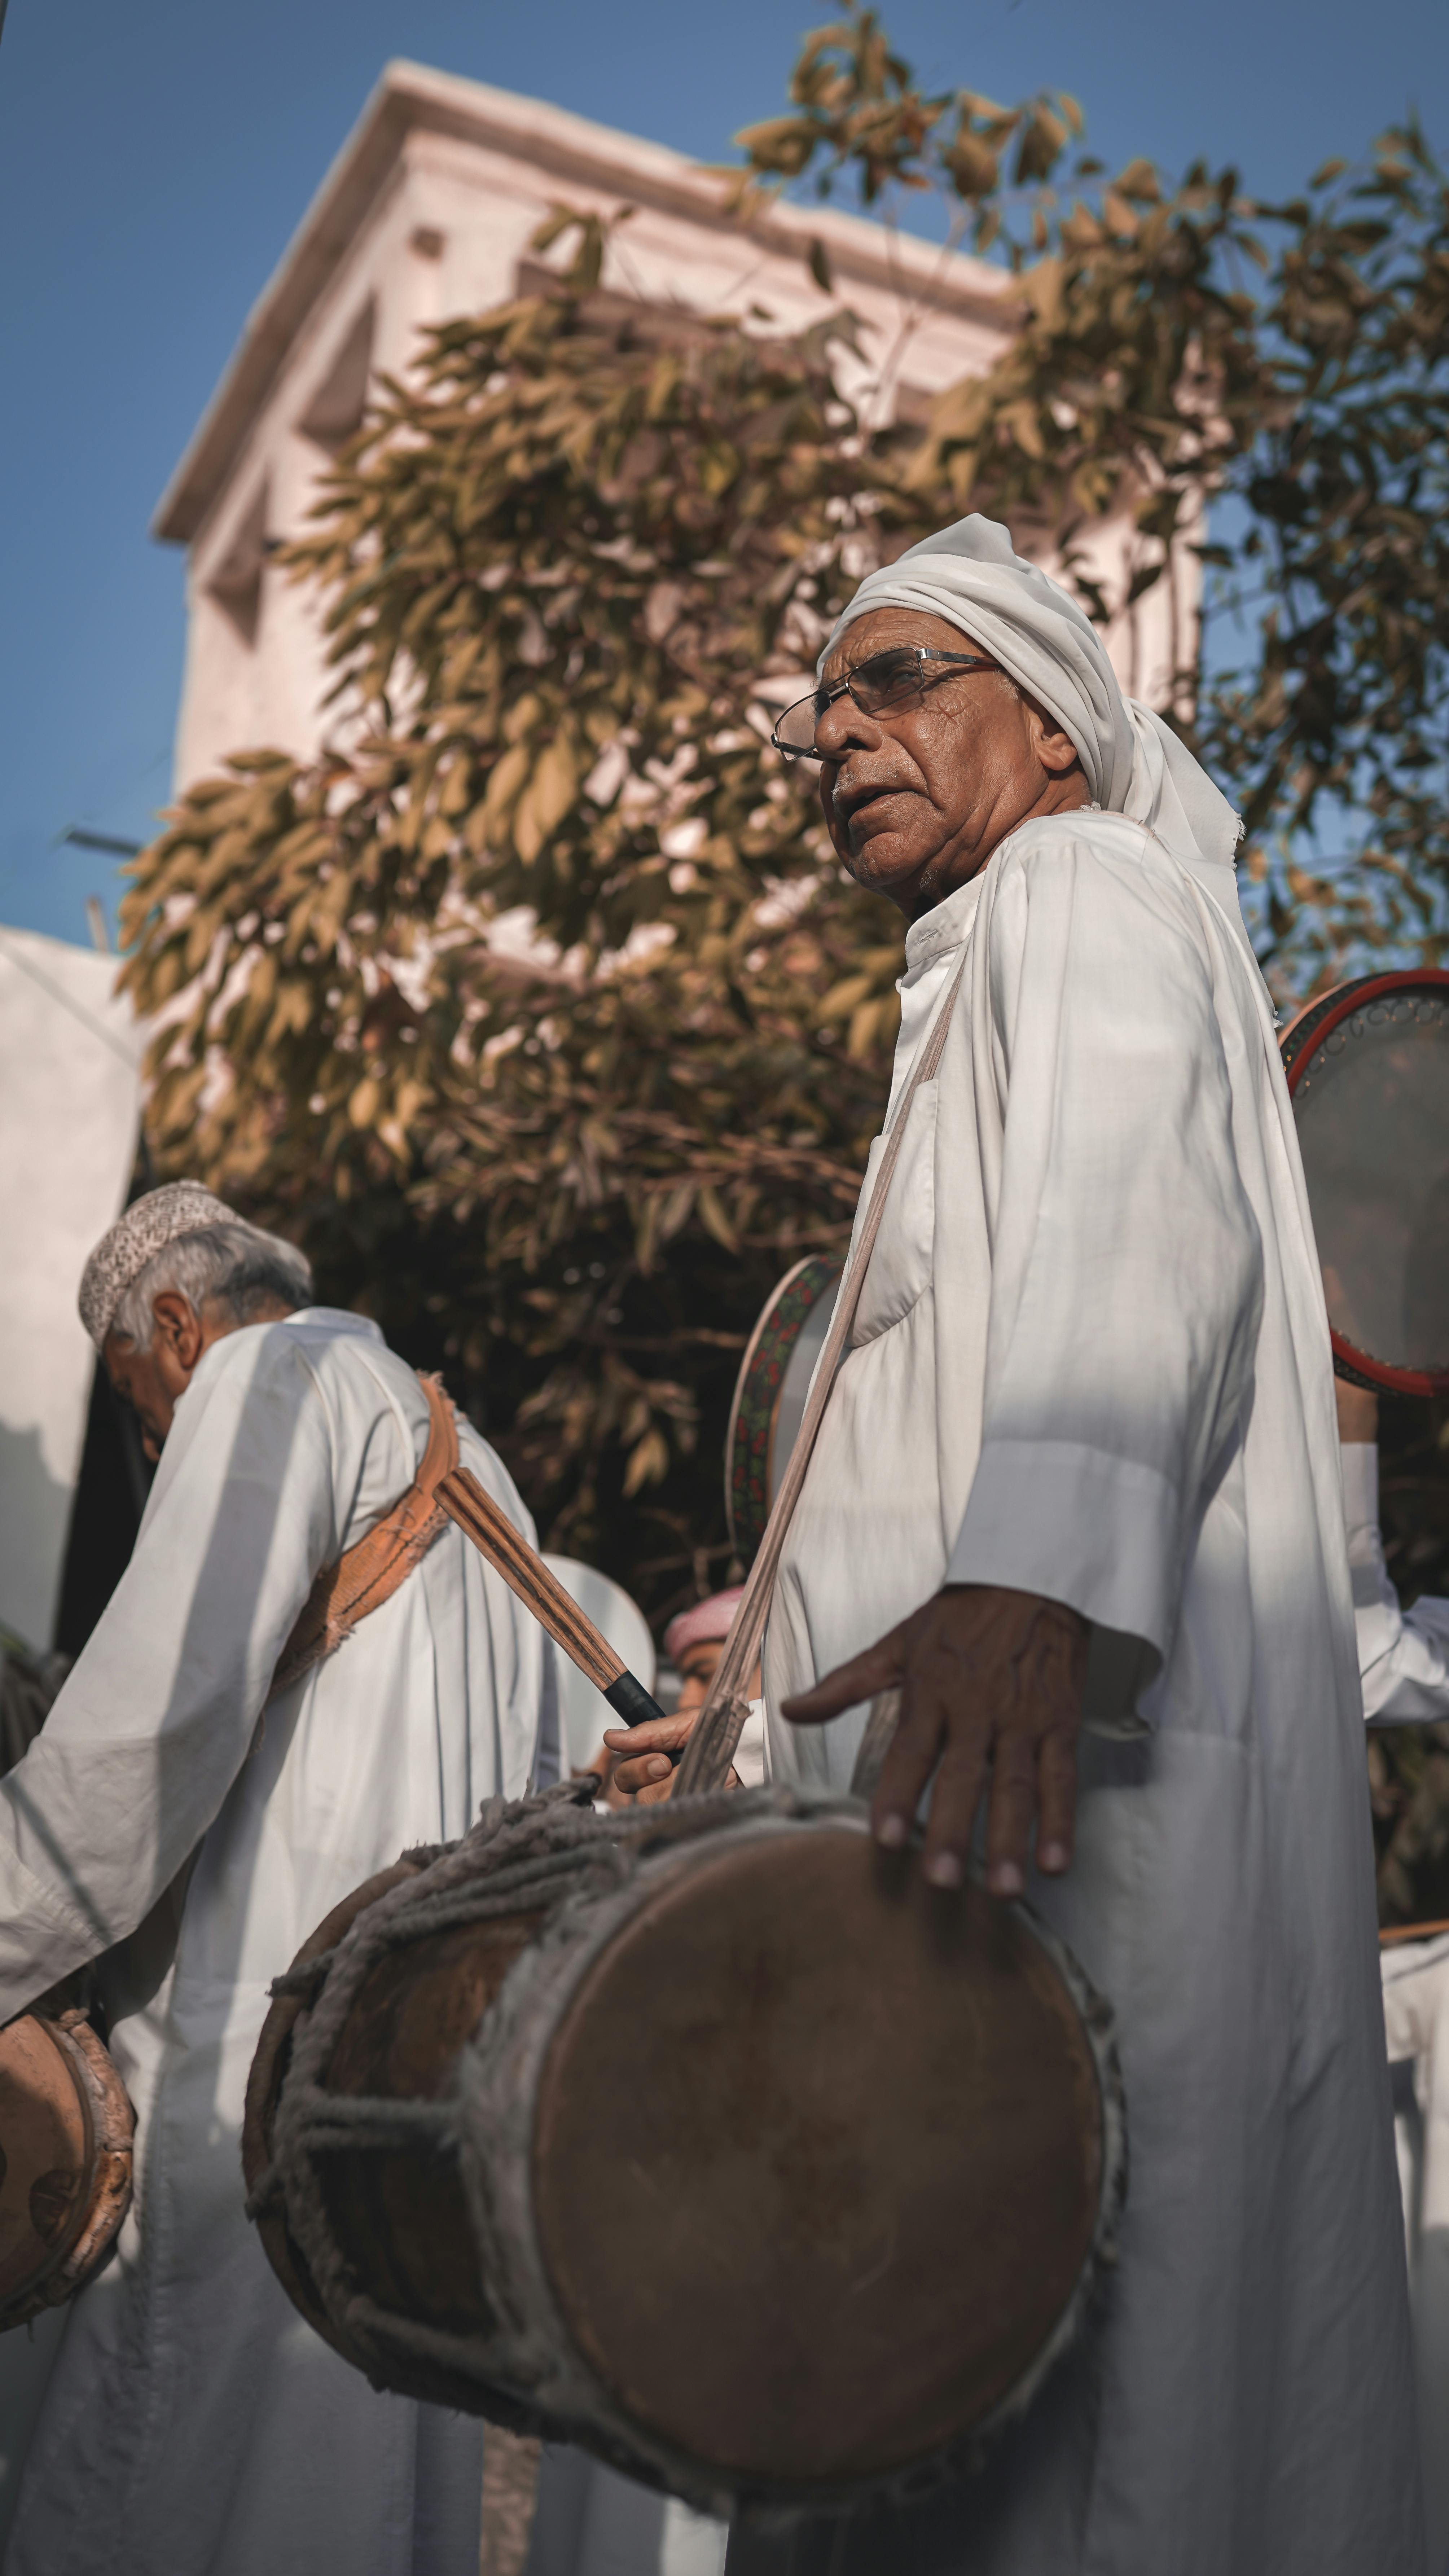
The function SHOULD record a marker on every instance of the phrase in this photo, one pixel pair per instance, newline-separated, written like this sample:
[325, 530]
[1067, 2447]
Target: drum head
[853, 2142]
[770, 1393]
[1368, 1071]
[46, 2156]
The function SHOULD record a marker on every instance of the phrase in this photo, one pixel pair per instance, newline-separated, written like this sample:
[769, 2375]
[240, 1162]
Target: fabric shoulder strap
[367, 1575]
[710, 1749]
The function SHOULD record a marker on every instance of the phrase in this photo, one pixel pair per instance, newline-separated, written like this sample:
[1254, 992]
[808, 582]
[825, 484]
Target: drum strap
[367, 1575]
[710, 1750]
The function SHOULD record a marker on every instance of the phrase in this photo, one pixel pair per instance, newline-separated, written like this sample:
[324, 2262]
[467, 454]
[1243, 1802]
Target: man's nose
[844, 728]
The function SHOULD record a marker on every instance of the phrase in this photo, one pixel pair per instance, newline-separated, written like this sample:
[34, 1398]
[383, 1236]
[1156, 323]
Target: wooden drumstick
[523, 1570]
[1393, 1934]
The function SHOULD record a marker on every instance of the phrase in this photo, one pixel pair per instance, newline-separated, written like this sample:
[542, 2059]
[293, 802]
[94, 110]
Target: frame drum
[704, 2135]
[770, 1393]
[1368, 1075]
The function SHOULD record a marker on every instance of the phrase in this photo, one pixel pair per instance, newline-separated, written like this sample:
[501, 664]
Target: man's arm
[158, 1716]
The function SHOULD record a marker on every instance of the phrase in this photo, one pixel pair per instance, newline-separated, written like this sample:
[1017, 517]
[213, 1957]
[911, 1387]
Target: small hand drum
[703, 2135]
[1368, 1074]
[66, 2131]
[770, 1393]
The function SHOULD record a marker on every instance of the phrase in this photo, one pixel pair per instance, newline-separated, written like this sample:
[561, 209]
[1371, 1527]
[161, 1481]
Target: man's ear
[1053, 747]
[178, 1327]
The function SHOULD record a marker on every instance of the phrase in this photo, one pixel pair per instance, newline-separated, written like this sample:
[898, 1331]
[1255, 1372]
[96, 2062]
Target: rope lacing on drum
[537, 1856]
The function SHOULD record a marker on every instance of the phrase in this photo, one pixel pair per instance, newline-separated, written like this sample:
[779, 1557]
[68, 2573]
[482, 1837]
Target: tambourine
[770, 1393]
[1368, 1075]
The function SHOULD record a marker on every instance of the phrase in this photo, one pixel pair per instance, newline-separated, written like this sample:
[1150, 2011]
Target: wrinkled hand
[991, 1685]
[641, 1766]
[645, 1771]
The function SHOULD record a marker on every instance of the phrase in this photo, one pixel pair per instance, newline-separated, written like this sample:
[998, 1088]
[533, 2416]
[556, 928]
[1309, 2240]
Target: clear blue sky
[154, 159]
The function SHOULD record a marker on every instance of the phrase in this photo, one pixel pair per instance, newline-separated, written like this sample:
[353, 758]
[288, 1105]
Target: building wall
[444, 233]
[69, 1096]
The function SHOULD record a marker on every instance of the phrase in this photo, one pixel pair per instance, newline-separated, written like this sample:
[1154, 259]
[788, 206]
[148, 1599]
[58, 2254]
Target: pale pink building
[427, 213]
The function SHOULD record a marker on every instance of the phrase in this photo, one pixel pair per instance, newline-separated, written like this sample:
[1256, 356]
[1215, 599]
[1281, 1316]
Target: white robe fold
[1091, 1361]
[193, 2424]
[1403, 1655]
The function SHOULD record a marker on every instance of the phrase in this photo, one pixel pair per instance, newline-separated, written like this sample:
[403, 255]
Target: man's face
[697, 1666]
[151, 1381]
[139, 1382]
[917, 799]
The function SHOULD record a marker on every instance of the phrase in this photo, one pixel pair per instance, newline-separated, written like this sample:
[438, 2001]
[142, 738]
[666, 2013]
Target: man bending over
[235, 1751]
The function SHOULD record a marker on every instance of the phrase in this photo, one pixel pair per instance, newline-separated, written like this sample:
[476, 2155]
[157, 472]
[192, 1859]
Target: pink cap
[707, 1623]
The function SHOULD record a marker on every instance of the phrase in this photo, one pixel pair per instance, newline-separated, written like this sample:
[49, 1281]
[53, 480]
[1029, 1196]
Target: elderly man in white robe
[225, 1763]
[1077, 1493]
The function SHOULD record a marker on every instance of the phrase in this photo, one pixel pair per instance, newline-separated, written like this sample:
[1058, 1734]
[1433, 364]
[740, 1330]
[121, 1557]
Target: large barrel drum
[705, 2135]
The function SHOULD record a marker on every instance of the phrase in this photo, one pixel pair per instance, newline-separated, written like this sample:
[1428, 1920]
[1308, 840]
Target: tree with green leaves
[542, 1009]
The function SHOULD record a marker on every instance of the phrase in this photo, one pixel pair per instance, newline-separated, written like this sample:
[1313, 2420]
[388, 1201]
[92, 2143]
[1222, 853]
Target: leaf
[505, 780]
[648, 1462]
[972, 165]
[714, 1219]
[554, 785]
[783, 145]
[1139, 181]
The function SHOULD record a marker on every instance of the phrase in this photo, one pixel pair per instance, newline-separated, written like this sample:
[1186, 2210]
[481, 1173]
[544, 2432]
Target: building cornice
[411, 99]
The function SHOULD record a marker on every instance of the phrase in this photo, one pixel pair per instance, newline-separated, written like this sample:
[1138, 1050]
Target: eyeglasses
[895, 678]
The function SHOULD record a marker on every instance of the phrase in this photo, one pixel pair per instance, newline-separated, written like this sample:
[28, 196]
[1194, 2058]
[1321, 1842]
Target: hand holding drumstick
[991, 1685]
[648, 1772]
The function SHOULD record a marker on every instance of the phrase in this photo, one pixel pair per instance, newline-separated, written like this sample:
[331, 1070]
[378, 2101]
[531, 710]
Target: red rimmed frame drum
[1368, 1074]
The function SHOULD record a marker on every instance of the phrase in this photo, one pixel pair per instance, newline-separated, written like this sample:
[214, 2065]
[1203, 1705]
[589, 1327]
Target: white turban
[1133, 762]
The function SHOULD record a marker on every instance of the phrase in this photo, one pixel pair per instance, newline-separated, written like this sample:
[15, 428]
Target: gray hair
[234, 1263]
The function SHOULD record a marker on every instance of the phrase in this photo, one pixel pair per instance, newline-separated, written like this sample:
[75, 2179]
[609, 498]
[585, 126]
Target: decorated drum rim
[755, 1409]
[108, 2131]
[1300, 1043]
[504, 2064]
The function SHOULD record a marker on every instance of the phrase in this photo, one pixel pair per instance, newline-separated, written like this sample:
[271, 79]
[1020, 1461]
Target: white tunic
[1403, 1655]
[1416, 2015]
[194, 2425]
[1091, 1361]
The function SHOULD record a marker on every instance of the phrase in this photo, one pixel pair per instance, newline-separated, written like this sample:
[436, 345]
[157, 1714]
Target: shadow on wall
[34, 1511]
[110, 1496]
[104, 1516]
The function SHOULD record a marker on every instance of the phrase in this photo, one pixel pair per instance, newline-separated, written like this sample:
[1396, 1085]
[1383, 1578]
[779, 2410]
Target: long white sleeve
[1403, 1655]
[158, 1716]
[1126, 1270]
